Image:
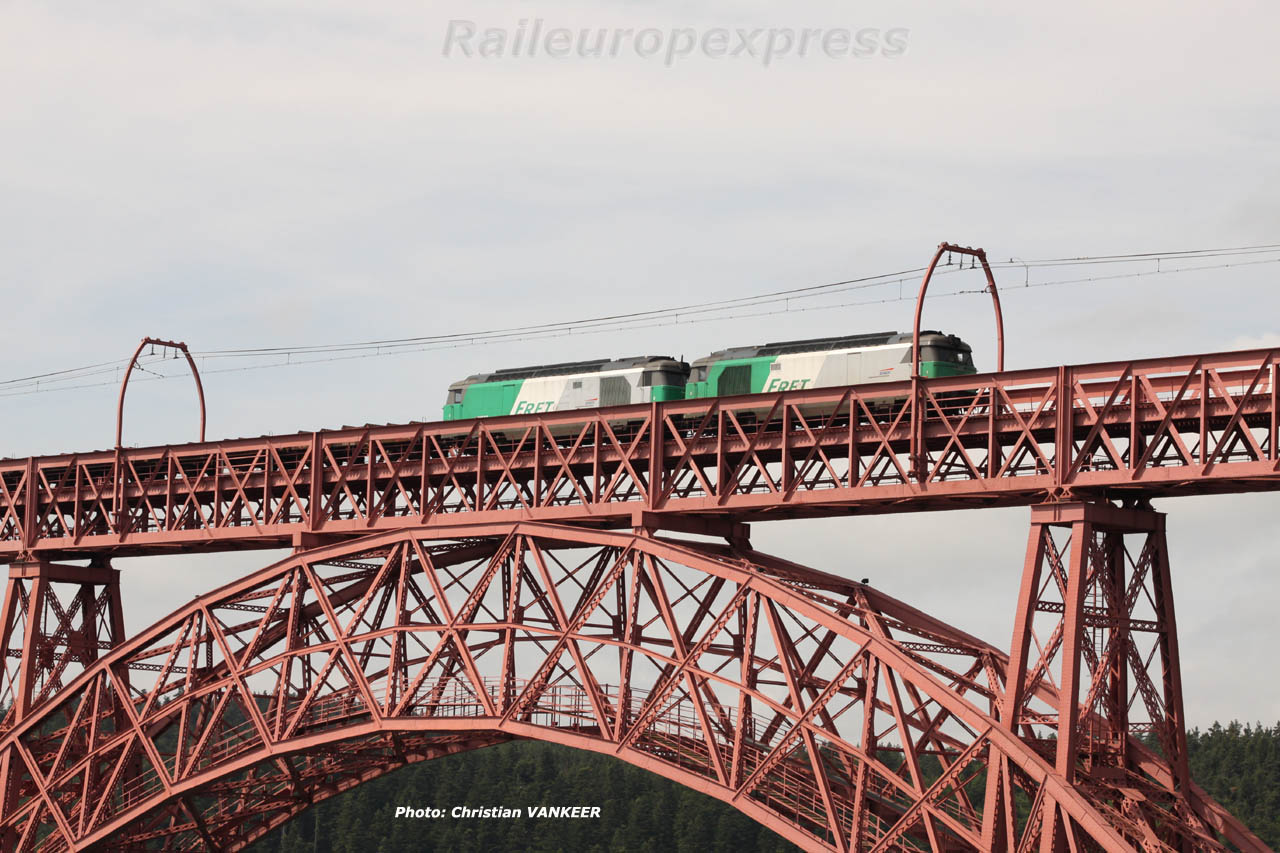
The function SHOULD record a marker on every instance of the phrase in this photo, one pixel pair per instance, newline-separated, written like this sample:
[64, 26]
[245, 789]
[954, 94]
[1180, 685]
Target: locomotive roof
[816, 345]
[807, 345]
[570, 367]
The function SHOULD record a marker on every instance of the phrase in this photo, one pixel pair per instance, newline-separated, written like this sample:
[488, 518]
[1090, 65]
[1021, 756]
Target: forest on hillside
[642, 812]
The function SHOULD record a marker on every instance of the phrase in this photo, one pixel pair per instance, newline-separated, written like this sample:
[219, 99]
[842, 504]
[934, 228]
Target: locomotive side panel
[808, 370]
[883, 364]
[583, 385]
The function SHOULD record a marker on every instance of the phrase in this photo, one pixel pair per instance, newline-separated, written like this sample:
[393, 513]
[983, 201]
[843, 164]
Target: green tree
[642, 812]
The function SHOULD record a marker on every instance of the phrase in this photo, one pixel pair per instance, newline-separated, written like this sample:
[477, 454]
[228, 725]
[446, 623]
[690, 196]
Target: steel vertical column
[1172, 683]
[1073, 625]
[998, 831]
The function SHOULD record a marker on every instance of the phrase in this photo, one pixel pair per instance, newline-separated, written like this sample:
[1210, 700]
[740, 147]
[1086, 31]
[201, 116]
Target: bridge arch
[835, 715]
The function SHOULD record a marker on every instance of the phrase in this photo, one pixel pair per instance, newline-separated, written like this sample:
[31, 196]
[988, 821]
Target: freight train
[782, 366]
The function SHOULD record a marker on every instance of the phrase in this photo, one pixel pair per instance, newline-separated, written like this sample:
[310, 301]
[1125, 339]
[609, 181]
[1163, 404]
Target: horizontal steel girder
[1184, 425]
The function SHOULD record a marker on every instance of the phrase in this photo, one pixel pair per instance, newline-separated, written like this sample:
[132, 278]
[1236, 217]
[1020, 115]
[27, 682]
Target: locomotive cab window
[456, 396]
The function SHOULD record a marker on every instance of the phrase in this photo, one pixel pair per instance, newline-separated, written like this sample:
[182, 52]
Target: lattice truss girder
[837, 716]
[1190, 424]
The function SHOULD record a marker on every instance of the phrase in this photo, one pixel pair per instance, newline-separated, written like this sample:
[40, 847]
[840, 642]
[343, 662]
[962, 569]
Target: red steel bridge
[587, 578]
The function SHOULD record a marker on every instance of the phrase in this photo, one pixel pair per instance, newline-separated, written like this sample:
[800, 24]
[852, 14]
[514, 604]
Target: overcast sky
[277, 173]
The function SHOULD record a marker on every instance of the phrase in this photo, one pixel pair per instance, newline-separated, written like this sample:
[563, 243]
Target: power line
[772, 297]
[39, 376]
[1137, 256]
[855, 284]
[550, 331]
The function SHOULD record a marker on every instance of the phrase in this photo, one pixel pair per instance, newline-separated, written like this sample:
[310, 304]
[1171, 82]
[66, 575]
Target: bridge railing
[557, 706]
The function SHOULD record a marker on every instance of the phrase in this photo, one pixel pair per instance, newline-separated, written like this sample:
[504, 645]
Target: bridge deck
[1181, 425]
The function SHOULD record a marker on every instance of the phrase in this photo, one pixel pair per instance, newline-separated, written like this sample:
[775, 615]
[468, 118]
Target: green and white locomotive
[782, 366]
[826, 363]
[571, 385]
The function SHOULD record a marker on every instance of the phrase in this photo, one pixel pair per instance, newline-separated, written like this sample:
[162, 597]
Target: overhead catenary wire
[737, 308]
[773, 296]
[1140, 256]
[110, 365]
[653, 322]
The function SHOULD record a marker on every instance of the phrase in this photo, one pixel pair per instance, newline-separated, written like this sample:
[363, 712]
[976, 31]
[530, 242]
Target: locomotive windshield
[662, 377]
[961, 354]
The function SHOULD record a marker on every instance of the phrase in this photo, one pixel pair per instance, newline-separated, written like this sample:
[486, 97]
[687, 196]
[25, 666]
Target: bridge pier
[57, 620]
[1095, 620]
